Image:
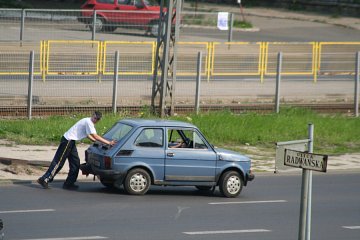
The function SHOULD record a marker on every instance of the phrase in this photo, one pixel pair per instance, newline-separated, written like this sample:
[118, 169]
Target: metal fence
[80, 75]
[74, 66]
[221, 60]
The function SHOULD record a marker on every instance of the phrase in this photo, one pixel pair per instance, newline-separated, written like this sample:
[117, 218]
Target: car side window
[198, 142]
[185, 138]
[150, 137]
[106, 1]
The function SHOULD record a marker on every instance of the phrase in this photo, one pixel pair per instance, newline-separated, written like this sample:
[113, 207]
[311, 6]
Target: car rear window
[118, 131]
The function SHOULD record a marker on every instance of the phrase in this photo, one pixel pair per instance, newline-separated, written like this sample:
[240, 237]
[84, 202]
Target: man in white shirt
[67, 150]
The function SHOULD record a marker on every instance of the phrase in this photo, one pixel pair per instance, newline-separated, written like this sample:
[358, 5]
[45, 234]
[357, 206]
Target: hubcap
[233, 184]
[155, 29]
[98, 25]
[138, 182]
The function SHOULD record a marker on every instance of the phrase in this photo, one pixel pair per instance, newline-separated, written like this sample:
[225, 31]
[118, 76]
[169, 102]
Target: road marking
[29, 211]
[227, 231]
[248, 202]
[70, 238]
[352, 227]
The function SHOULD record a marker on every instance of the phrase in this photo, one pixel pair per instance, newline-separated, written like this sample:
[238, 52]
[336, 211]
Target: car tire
[99, 24]
[110, 28]
[107, 183]
[154, 28]
[231, 184]
[137, 182]
[203, 188]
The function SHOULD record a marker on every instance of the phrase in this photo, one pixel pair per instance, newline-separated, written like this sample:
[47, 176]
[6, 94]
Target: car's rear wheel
[107, 183]
[99, 24]
[137, 182]
[231, 184]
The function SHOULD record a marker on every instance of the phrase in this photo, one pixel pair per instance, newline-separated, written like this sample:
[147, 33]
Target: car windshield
[151, 3]
[118, 131]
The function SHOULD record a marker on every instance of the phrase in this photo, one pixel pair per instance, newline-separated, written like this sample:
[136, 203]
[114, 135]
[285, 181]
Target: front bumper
[250, 177]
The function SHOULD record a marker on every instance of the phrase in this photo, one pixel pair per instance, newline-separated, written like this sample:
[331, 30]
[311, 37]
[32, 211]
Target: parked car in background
[110, 14]
[164, 152]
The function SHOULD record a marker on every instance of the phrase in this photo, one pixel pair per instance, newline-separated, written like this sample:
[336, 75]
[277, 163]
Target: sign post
[308, 162]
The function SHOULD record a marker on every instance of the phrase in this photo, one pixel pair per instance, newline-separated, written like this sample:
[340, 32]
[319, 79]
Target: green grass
[333, 134]
[242, 24]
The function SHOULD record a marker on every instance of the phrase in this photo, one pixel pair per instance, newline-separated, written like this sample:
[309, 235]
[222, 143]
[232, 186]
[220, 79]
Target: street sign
[223, 19]
[305, 160]
[299, 145]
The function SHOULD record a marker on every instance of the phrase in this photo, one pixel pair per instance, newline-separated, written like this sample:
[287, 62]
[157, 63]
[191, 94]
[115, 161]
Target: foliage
[13, 4]
[242, 24]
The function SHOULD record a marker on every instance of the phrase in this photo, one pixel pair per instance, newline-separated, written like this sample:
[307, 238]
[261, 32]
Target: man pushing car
[67, 150]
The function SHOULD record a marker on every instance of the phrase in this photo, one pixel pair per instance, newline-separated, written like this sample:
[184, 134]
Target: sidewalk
[27, 163]
[349, 22]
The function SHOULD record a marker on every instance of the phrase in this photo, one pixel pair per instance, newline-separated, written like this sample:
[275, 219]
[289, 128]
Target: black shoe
[70, 186]
[43, 183]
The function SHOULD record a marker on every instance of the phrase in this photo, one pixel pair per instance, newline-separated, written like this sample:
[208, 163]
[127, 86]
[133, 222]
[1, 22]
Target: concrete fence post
[30, 85]
[278, 81]
[356, 96]
[93, 26]
[115, 84]
[230, 33]
[198, 82]
[22, 26]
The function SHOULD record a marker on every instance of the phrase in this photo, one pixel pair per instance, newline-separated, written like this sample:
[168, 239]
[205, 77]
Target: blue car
[165, 152]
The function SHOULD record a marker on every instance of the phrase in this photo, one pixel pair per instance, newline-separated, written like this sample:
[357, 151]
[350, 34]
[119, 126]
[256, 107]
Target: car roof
[140, 122]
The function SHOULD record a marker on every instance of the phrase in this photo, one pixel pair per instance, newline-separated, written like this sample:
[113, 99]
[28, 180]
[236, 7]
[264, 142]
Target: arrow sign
[305, 160]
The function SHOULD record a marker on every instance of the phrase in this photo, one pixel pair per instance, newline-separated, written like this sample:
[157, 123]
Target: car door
[129, 12]
[109, 6]
[194, 161]
[146, 148]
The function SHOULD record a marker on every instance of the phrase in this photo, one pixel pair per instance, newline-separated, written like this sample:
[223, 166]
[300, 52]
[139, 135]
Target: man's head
[96, 116]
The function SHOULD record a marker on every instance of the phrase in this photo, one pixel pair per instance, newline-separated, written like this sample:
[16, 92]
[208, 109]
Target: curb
[11, 161]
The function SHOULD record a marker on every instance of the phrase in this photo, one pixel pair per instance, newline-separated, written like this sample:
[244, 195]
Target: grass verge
[334, 134]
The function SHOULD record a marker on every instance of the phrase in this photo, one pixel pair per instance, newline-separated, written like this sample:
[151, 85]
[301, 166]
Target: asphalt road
[267, 209]
[269, 29]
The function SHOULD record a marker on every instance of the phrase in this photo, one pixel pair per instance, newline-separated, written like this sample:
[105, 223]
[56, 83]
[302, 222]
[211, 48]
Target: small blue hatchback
[165, 152]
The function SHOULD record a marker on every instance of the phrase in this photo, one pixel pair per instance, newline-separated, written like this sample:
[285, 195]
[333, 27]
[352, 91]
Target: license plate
[97, 163]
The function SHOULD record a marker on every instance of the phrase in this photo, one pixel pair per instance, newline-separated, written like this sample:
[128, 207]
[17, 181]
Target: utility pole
[163, 90]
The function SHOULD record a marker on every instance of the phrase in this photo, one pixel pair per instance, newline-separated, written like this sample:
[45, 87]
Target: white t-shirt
[80, 130]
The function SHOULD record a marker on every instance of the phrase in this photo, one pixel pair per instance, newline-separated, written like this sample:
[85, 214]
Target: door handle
[170, 154]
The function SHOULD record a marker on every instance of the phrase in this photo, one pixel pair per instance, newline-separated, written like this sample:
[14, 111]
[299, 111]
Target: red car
[110, 14]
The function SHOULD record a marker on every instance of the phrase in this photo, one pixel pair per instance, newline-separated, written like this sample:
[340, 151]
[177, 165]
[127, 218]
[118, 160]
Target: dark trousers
[66, 150]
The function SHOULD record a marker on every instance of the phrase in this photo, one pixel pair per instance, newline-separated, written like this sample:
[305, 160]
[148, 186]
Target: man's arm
[95, 137]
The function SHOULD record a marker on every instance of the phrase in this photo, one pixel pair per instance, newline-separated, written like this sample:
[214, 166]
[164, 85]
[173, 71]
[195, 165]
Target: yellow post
[263, 58]
[44, 59]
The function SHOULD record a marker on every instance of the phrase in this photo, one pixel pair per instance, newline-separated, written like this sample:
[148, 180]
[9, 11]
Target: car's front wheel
[137, 182]
[231, 184]
[154, 28]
